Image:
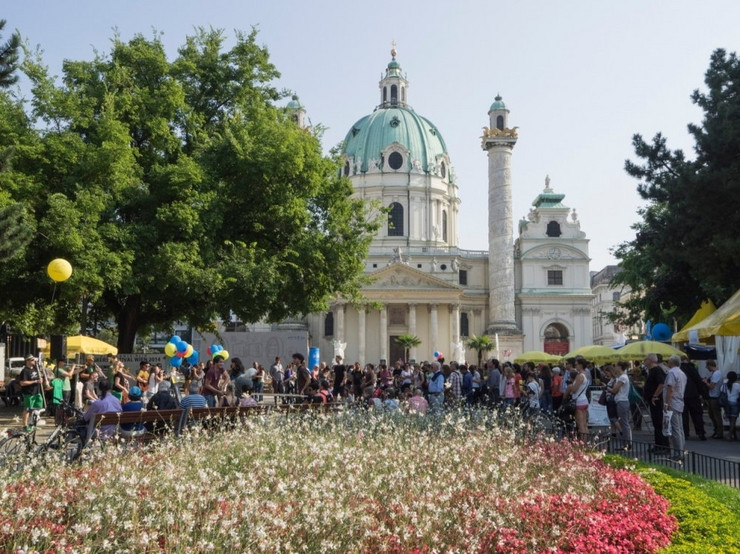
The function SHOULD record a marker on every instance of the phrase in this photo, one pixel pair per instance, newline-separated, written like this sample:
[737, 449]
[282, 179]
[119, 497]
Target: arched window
[443, 170]
[385, 94]
[500, 122]
[553, 229]
[556, 339]
[329, 324]
[444, 225]
[395, 220]
[346, 168]
[394, 94]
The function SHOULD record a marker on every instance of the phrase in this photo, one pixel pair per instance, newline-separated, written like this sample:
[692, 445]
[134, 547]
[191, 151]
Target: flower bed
[358, 482]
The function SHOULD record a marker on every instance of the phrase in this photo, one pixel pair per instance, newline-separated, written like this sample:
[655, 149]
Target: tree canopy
[9, 58]
[687, 245]
[179, 191]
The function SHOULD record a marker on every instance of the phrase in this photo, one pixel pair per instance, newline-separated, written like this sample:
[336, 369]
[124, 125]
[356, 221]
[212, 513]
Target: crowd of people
[672, 390]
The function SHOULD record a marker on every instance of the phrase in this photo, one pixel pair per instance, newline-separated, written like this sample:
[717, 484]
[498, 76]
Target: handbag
[602, 398]
[568, 407]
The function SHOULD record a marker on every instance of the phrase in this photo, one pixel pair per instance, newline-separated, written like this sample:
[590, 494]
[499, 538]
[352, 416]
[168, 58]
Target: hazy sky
[580, 78]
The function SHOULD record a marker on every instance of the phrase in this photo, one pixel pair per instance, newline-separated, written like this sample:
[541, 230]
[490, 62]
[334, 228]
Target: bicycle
[64, 443]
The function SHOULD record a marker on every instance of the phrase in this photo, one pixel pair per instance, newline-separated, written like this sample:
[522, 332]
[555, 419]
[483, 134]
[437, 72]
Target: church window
[346, 168]
[394, 95]
[329, 324]
[395, 220]
[554, 277]
[616, 296]
[444, 225]
[443, 267]
[553, 229]
[443, 170]
[464, 325]
[397, 315]
[395, 160]
[500, 122]
[463, 276]
[385, 94]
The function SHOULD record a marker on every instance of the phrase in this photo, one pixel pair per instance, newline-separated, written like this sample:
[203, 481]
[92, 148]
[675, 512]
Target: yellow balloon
[59, 270]
[223, 353]
[189, 351]
[170, 349]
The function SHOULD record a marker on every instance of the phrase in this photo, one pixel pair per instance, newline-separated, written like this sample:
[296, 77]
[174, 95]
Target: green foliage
[177, 190]
[16, 231]
[481, 344]
[408, 341]
[708, 512]
[686, 244]
[8, 58]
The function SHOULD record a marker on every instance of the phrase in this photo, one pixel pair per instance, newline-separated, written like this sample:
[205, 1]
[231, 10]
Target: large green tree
[9, 58]
[687, 245]
[180, 190]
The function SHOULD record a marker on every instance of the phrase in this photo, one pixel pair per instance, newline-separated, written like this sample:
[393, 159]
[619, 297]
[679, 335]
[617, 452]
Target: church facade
[532, 293]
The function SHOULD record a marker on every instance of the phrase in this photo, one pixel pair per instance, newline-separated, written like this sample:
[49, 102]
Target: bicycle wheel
[64, 446]
[13, 452]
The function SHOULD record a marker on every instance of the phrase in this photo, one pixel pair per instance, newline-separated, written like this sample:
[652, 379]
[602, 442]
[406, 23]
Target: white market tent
[724, 326]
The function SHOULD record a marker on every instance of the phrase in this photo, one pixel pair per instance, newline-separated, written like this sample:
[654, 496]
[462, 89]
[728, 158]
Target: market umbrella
[595, 353]
[80, 344]
[537, 357]
[640, 349]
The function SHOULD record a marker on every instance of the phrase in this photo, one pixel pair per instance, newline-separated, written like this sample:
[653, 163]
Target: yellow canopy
[706, 309]
[537, 357]
[725, 321]
[80, 344]
[595, 353]
[641, 348]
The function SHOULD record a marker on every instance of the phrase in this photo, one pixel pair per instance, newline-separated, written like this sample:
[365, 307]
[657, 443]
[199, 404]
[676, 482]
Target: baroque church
[532, 293]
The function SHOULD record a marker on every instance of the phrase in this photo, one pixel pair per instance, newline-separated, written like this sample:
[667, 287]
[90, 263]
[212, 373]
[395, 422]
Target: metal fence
[709, 467]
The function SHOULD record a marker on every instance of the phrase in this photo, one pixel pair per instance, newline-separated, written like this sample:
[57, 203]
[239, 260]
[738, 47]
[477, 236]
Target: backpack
[724, 400]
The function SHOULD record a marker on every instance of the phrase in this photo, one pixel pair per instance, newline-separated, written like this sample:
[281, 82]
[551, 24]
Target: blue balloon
[194, 358]
[175, 339]
[216, 348]
[175, 361]
[182, 346]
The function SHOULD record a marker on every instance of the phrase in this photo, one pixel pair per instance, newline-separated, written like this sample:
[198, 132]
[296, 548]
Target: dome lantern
[393, 87]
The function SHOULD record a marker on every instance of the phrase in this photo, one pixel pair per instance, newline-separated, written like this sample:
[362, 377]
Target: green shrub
[707, 512]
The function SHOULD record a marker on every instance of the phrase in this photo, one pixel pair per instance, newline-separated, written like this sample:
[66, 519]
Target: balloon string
[53, 292]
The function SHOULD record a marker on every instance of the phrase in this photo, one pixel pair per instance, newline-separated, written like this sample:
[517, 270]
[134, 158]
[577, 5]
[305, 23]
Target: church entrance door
[395, 352]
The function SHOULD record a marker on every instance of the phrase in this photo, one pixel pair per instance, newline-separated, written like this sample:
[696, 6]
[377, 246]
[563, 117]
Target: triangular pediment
[399, 276]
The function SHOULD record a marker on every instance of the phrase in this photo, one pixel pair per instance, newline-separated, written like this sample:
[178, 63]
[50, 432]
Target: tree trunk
[128, 324]
[83, 317]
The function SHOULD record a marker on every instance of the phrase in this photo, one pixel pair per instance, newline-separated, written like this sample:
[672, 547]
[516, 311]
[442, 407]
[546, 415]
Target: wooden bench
[176, 420]
[162, 419]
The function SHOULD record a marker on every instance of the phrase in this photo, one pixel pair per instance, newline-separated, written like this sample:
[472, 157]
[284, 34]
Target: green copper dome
[375, 132]
[294, 104]
[498, 104]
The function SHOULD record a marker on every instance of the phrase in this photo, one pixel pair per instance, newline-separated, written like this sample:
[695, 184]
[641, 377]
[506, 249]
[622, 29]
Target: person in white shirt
[714, 382]
[621, 391]
[673, 390]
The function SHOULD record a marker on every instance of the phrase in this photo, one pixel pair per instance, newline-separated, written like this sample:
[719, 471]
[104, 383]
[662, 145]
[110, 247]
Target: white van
[15, 366]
